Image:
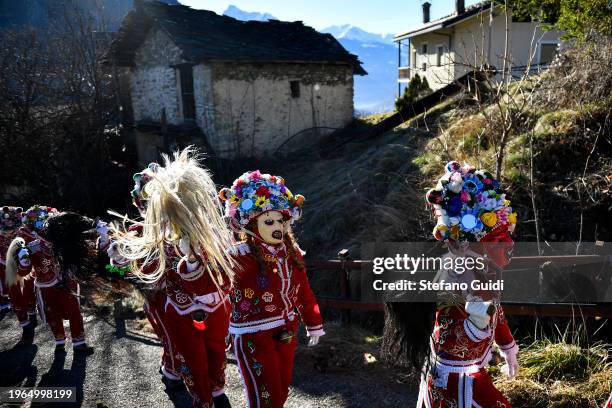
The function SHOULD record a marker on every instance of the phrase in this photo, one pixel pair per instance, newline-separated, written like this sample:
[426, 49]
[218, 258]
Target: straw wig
[181, 203]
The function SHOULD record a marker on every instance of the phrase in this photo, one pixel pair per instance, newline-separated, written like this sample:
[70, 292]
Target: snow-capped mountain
[374, 92]
[351, 32]
[233, 11]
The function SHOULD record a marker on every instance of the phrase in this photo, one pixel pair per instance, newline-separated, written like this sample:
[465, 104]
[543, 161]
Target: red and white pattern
[460, 352]
[264, 305]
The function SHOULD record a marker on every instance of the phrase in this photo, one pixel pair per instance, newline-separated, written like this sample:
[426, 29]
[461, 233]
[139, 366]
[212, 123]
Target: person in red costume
[475, 220]
[36, 250]
[270, 288]
[154, 294]
[20, 298]
[183, 242]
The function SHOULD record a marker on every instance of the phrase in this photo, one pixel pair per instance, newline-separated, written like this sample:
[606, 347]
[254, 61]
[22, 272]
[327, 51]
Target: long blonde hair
[181, 202]
[12, 267]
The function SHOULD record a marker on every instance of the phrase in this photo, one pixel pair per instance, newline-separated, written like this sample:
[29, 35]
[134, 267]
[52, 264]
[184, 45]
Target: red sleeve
[307, 305]
[503, 335]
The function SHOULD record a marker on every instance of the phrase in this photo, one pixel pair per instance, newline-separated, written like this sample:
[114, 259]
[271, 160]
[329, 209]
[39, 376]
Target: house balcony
[404, 73]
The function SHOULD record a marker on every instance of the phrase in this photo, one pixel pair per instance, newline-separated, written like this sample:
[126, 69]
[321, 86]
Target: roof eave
[449, 21]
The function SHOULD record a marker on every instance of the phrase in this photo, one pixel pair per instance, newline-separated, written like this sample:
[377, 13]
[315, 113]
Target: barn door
[187, 99]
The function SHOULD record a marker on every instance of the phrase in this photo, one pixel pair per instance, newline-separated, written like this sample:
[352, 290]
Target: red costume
[193, 350]
[264, 304]
[22, 298]
[57, 297]
[475, 219]
[154, 308]
[200, 345]
[457, 375]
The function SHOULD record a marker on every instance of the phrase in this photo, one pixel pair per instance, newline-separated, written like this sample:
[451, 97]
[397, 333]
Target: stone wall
[153, 84]
[255, 112]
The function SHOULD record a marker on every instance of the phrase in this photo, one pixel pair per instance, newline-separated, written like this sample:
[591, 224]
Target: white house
[443, 50]
[244, 88]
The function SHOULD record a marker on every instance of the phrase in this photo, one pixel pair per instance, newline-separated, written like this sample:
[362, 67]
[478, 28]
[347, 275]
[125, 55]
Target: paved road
[123, 372]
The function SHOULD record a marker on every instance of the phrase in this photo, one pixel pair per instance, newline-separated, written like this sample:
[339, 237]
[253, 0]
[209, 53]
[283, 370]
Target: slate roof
[203, 35]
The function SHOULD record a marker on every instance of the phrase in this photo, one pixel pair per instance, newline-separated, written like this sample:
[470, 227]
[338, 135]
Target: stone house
[240, 88]
[443, 50]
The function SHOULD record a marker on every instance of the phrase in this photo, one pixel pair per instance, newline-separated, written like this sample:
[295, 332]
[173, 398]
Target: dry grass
[354, 350]
[562, 371]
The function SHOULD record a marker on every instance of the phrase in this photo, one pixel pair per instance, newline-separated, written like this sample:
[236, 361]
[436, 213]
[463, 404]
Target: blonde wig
[181, 202]
[12, 276]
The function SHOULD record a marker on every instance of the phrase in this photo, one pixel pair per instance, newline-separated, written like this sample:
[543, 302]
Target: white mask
[272, 226]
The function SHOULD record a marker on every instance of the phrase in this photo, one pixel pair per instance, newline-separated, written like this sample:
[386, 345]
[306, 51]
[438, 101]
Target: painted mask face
[272, 226]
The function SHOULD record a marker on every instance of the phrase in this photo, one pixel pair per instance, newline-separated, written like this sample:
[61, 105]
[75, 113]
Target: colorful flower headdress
[469, 204]
[254, 193]
[10, 218]
[139, 197]
[34, 218]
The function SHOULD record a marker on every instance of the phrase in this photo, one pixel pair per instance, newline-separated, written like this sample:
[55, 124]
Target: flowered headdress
[139, 196]
[10, 218]
[254, 193]
[468, 204]
[34, 218]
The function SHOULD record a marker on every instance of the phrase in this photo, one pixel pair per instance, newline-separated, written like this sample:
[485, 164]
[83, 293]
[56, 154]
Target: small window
[295, 88]
[187, 94]
[414, 59]
[439, 55]
[424, 49]
[548, 52]
[424, 66]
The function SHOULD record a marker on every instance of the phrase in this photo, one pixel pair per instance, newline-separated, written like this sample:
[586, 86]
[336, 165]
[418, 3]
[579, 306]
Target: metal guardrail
[343, 265]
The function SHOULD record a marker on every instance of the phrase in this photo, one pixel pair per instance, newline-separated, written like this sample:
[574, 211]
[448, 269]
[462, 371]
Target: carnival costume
[270, 288]
[181, 247]
[20, 297]
[471, 209]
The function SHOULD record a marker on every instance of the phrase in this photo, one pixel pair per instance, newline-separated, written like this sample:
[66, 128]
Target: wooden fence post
[345, 287]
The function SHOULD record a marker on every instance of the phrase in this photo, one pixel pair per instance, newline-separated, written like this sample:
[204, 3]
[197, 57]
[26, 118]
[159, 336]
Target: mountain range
[374, 92]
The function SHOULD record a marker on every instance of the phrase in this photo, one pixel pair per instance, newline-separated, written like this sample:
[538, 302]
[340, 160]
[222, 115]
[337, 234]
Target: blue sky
[383, 16]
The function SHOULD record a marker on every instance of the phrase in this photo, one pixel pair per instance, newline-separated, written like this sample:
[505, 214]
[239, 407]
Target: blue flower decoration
[246, 204]
[453, 206]
[470, 222]
[472, 184]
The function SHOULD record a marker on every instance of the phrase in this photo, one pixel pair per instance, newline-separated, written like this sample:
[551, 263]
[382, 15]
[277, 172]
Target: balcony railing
[404, 72]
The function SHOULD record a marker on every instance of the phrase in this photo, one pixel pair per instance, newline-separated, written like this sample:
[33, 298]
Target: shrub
[417, 87]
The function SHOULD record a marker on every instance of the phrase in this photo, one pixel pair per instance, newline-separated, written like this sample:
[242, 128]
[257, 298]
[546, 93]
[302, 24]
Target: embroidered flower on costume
[248, 293]
[270, 308]
[262, 281]
[267, 297]
[245, 305]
